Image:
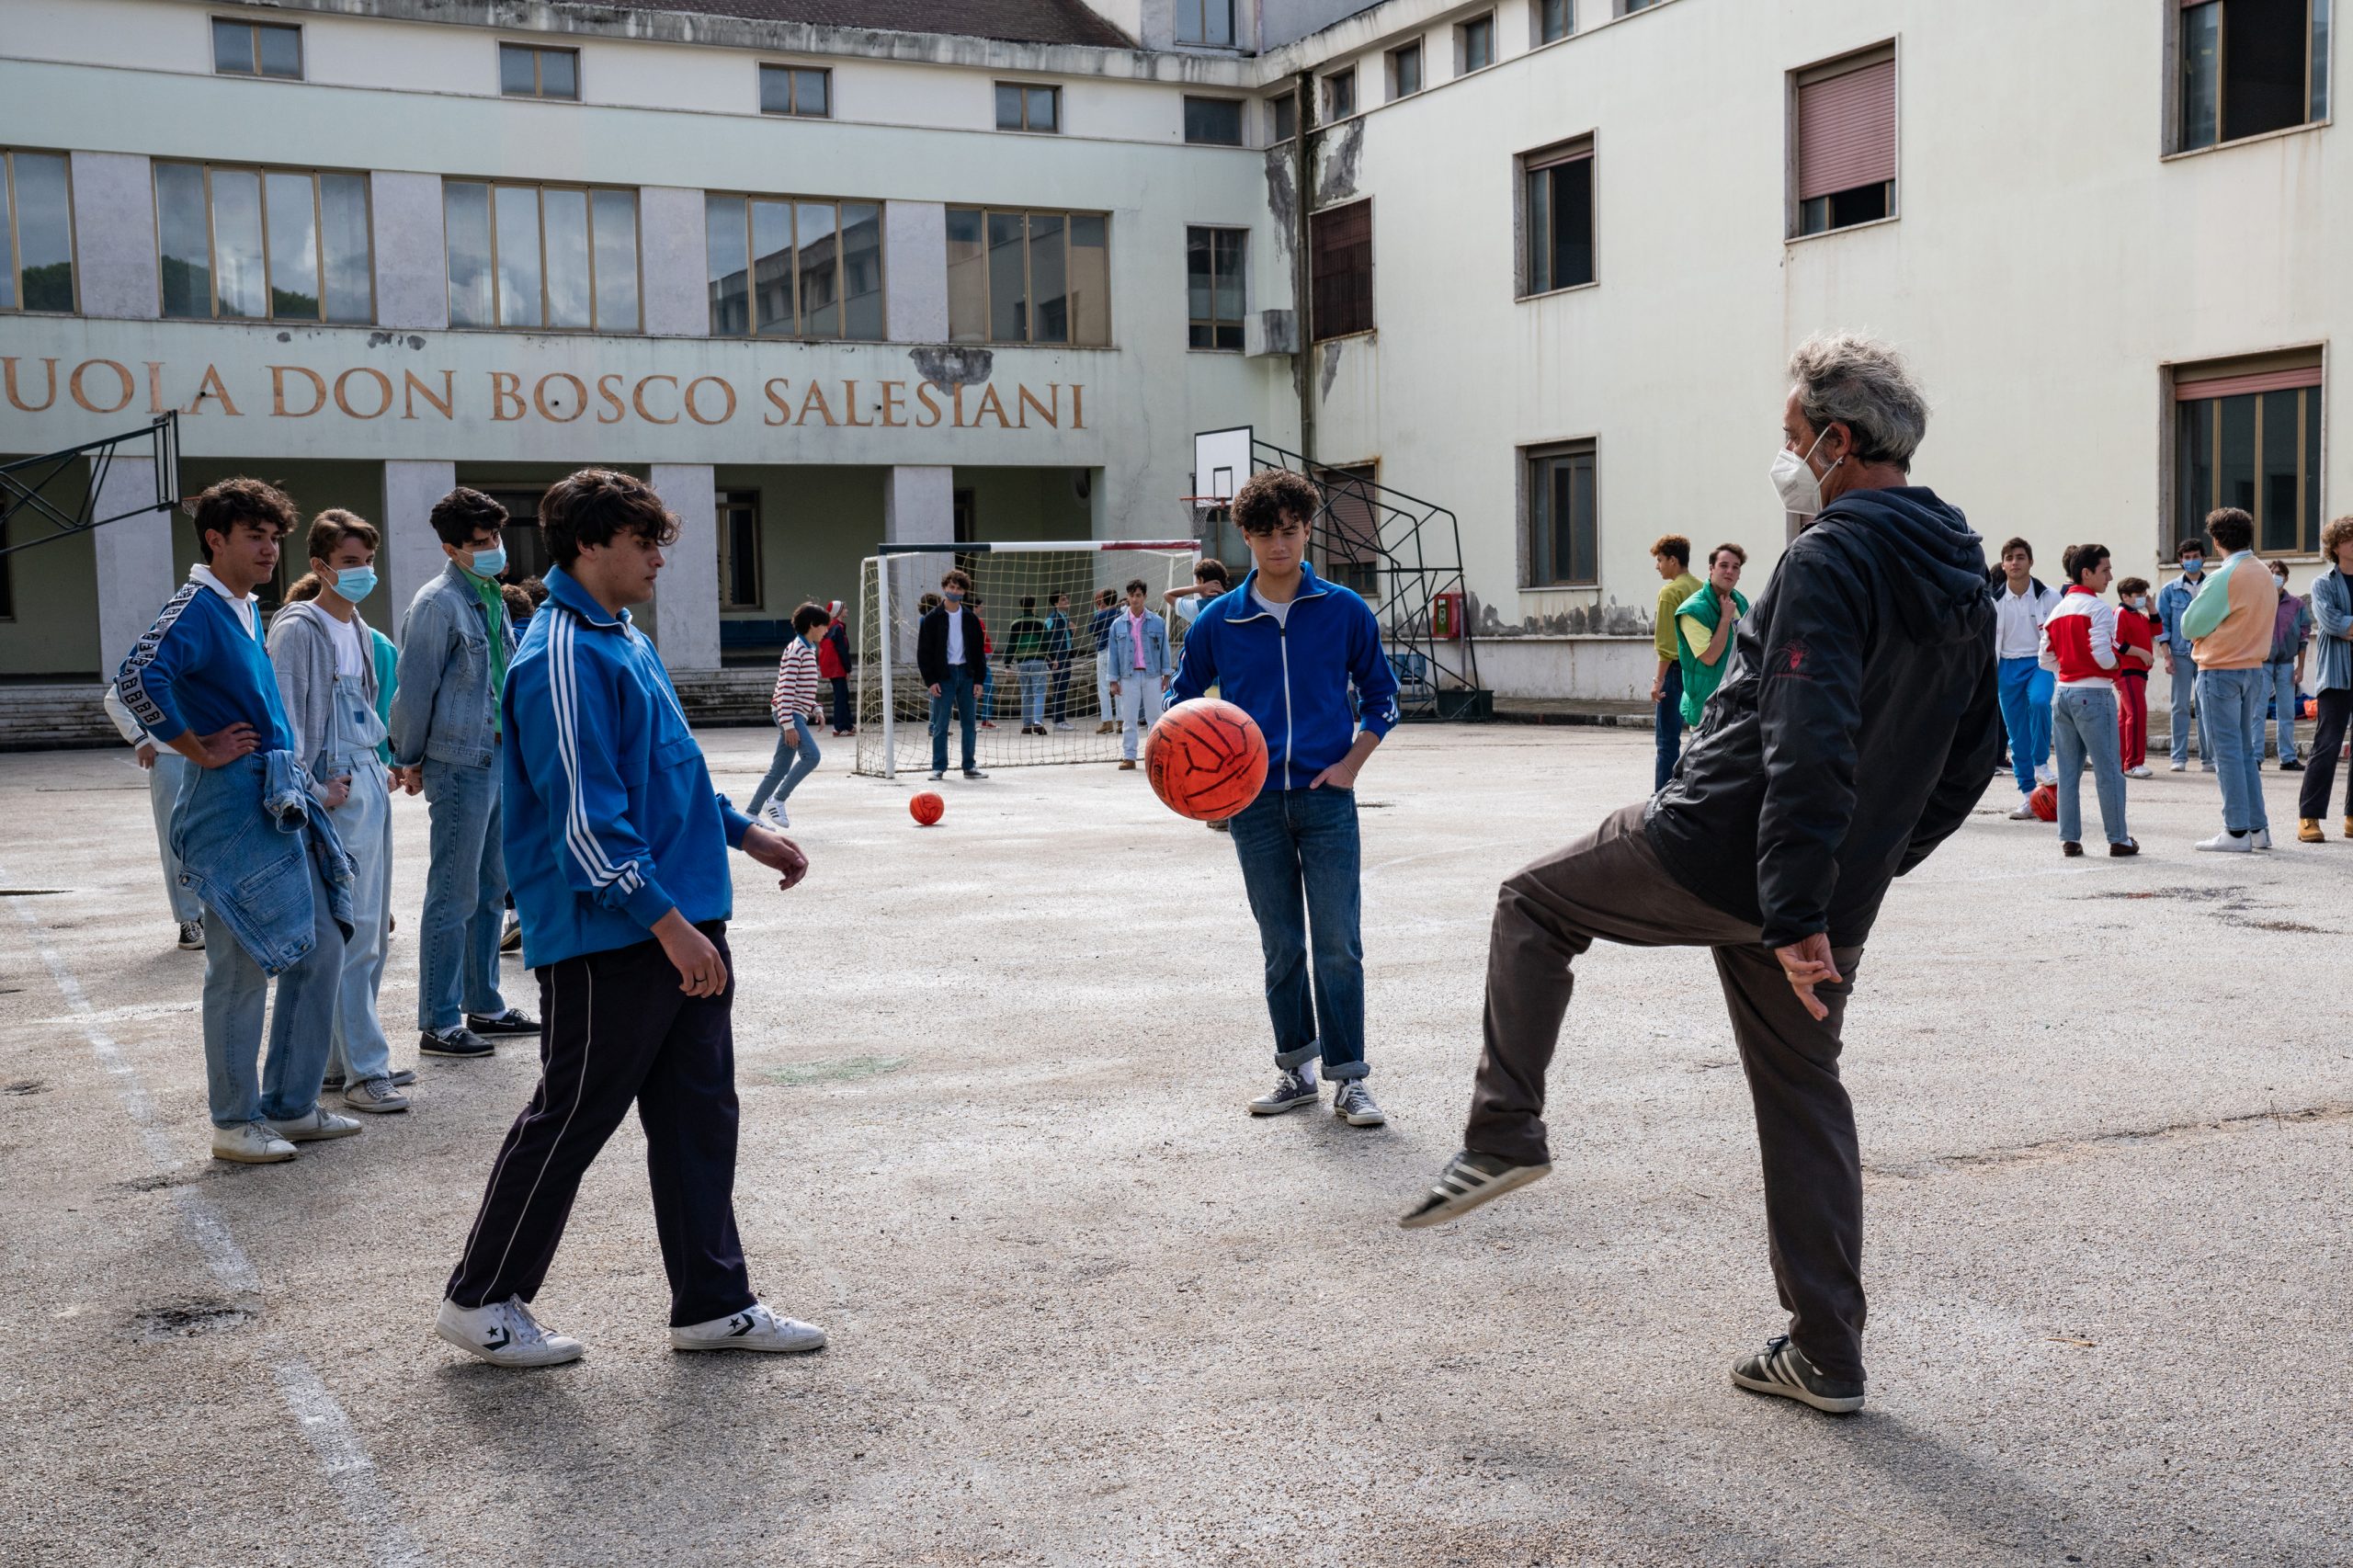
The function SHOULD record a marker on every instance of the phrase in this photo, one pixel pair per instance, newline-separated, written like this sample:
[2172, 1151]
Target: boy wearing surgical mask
[2136, 643]
[325, 661]
[455, 641]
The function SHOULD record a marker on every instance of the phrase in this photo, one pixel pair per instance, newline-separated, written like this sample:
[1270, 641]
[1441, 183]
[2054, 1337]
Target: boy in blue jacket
[617, 850]
[1286, 646]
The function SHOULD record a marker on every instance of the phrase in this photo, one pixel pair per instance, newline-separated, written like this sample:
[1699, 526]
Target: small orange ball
[926, 808]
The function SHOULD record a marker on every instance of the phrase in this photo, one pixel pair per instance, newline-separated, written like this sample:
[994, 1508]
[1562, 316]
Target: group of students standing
[2235, 644]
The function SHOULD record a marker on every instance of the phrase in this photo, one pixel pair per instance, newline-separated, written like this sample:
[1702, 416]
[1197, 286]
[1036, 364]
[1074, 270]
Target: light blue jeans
[1033, 691]
[789, 767]
[2184, 693]
[358, 1050]
[164, 781]
[2083, 726]
[465, 897]
[235, 990]
[2231, 702]
[2285, 701]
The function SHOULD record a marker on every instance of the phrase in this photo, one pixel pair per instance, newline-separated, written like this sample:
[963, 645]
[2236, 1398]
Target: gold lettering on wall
[383, 392]
[1050, 411]
[637, 398]
[277, 409]
[931, 404]
[154, 386]
[990, 403]
[210, 386]
[506, 387]
[894, 394]
[611, 394]
[130, 386]
[779, 391]
[579, 403]
[695, 413]
[816, 400]
[8, 374]
[412, 388]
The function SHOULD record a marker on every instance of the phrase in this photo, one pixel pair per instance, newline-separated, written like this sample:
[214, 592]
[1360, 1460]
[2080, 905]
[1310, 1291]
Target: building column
[919, 507]
[412, 272]
[915, 285]
[133, 559]
[675, 262]
[114, 236]
[685, 617]
[412, 553]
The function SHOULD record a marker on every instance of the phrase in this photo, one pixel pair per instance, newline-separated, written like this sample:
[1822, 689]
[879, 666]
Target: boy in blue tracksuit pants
[1285, 647]
[615, 847]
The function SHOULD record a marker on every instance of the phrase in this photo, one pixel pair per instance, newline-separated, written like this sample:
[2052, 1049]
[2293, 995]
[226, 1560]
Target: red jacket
[2134, 630]
[2079, 639]
[832, 662]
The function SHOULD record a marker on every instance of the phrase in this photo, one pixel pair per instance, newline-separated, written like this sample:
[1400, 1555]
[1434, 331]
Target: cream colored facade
[2048, 263]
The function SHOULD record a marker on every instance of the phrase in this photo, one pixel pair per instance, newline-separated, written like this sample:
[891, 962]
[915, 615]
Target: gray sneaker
[1352, 1103]
[1782, 1369]
[1291, 1092]
[317, 1123]
[375, 1095]
[192, 937]
[1469, 1180]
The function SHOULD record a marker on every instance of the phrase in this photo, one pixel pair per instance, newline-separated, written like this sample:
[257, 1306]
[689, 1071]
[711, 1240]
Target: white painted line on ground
[341, 1456]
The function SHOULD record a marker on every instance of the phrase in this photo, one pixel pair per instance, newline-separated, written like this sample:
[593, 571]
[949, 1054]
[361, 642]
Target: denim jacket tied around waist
[242, 833]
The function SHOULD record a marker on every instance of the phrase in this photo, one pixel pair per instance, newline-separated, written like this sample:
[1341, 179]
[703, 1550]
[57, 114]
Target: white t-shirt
[955, 637]
[2018, 622]
[351, 650]
[1281, 612]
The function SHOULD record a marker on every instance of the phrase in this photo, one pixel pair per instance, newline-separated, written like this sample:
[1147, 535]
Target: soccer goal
[1045, 699]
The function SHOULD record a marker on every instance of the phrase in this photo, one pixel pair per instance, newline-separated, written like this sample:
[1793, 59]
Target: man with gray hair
[1854, 730]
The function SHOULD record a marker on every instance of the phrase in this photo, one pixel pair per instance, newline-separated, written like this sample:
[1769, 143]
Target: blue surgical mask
[490, 563]
[954, 596]
[354, 583]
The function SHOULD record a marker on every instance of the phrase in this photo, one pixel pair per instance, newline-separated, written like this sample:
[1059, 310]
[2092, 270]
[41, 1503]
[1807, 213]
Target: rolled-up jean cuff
[1288, 1059]
[1341, 1072]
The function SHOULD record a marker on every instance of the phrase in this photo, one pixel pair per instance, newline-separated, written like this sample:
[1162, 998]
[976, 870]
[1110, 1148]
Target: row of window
[1475, 49]
[2244, 439]
[240, 243]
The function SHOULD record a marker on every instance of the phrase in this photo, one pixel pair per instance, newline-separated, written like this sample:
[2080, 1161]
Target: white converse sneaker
[2262, 837]
[319, 1123]
[2024, 812]
[754, 1328]
[253, 1144]
[504, 1334]
[2230, 843]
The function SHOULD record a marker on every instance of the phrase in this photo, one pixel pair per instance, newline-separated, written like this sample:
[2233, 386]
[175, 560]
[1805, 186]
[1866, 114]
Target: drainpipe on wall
[1303, 172]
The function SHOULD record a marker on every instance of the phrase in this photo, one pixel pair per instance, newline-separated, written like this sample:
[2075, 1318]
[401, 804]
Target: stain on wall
[953, 367]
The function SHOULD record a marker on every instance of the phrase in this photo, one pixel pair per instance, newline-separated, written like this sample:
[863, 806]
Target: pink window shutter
[2186, 389]
[1847, 132]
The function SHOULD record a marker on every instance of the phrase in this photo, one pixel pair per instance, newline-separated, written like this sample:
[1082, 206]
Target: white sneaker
[938, 777]
[2142, 772]
[2024, 811]
[504, 1334]
[1064, 724]
[2262, 837]
[375, 1095]
[2047, 774]
[773, 814]
[754, 1328]
[319, 1123]
[252, 1145]
[2229, 843]
[2178, 767]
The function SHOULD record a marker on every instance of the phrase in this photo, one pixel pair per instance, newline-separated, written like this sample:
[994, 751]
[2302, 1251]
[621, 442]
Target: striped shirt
[796, 684]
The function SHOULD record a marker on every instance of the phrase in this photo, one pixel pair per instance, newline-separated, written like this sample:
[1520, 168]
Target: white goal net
[1043, 618]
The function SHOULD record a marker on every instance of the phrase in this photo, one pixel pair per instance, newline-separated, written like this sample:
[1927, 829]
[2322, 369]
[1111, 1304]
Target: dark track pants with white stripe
[618, 1031]
[1611, 886]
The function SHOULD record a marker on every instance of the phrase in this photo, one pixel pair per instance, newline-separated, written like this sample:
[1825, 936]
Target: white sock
[1306, 1070]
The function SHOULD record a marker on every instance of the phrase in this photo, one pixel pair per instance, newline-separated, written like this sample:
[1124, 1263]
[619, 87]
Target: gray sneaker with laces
[1782, 1369]
[1469, 1180]
[1291, 1092]
[375, 1095]
[1352, 1103]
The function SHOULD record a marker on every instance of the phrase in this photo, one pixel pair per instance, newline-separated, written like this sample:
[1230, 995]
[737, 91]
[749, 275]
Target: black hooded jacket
[1855, 729]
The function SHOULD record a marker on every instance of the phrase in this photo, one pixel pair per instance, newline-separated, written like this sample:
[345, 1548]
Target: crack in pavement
[2073, 1147]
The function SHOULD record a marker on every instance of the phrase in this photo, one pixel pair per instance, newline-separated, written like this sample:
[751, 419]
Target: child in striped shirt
[793, 704]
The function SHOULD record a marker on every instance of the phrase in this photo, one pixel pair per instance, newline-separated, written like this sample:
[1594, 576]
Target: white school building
[837, 272]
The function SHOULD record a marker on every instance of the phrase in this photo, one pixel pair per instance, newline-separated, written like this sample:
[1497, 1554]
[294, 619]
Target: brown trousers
[1611, 885]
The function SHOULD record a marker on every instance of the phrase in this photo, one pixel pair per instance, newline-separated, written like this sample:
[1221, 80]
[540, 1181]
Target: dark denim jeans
[1668, 724]
[1300, 852]
[955, 696]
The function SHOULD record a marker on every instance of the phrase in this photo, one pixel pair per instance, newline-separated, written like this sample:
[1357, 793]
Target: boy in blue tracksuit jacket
[1285, 647]
[617, 849]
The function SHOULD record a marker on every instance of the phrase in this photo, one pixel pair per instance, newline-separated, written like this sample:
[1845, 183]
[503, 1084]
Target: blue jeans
[235, 990]
[1666, 722]
[164, 781]
[2083, 726]
[465, 897]
[790, 767]
[358, 1049]
[2232, 703]
[1033, 691]
[2185, 689]
[955, 696]
[1299, 852]
[2025, 690]
[2285, 701]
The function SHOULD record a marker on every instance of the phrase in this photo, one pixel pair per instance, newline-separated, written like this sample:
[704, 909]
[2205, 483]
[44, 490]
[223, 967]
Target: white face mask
[1794, 481]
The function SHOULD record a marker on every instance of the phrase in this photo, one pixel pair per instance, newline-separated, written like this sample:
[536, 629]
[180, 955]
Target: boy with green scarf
[1703, 630]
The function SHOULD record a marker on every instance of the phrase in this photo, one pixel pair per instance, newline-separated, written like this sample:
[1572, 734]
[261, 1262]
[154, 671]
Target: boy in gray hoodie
[325, 661]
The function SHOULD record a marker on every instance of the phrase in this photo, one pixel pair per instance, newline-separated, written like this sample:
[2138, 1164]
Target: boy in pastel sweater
[2228, 626]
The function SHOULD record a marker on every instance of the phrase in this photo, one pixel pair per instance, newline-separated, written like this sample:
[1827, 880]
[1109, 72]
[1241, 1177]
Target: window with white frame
[239, 244]
[562, 258]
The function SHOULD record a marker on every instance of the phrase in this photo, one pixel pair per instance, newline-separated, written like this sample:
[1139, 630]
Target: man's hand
[2168, 661]
[1115, 688]
[1341, 774]
[934, 688]
[1658, 689]
[701, 971]
[778, 853]
[145, 752]
[224, 746]
[410, 780]
[337, 790]
[1808, 964]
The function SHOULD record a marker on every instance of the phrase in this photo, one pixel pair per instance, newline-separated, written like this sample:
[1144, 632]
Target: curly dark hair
[232, 500]
[1272, 496]
[463, 513]
[2230, 528]
[595, 504]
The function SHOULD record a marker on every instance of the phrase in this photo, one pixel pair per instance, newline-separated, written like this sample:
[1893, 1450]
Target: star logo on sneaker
[498, 1339]
[739, 1325]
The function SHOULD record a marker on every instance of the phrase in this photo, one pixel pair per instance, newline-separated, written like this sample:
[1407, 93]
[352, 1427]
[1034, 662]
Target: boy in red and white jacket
[2079, 647]
[2136, 655]
[793, 704]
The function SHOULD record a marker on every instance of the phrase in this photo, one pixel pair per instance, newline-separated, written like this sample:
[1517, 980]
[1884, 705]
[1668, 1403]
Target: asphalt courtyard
[1085, 1311]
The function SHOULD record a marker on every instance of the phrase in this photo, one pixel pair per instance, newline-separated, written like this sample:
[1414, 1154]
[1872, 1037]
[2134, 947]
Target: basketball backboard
[1220, 461]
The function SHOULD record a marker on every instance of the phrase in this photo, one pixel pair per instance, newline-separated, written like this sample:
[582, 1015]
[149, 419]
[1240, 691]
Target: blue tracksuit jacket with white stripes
[611, 820]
